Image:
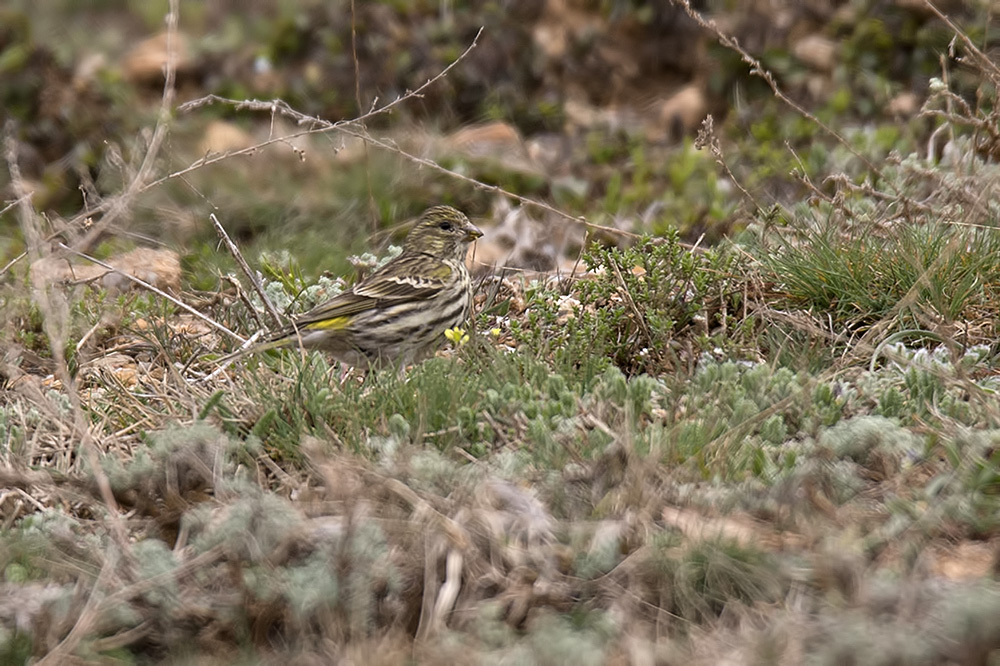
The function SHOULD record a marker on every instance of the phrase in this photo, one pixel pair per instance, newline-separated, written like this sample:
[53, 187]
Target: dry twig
[758, 70]
[238, 256]
[159, 292]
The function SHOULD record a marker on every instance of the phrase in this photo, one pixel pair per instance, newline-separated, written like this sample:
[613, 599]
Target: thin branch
[55, 320]
[376, 111]
[478, 184]
[355, 127]
[981, 58]
[13, 261]
[349, 127]
[757, 69]
[372, 207]
[708, 139]
[120, 204]
[159, 292]
[235, 251]
[220, 157]
[345, 127]
[277, 106]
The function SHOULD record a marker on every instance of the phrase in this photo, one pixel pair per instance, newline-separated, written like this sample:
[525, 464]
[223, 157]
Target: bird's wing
[406, 278]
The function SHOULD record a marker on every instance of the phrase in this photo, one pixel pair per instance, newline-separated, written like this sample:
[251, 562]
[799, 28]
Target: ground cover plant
[728, 394]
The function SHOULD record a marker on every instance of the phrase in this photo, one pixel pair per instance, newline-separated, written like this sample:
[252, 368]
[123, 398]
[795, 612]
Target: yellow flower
[457, 335]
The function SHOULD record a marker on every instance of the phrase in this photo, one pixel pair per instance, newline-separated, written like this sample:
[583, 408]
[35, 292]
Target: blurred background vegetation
[591, 105]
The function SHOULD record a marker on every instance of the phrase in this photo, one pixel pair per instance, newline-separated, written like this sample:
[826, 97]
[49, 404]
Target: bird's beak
[472, 233]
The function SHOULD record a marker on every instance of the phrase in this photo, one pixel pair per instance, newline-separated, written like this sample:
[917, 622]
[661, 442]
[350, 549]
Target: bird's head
[442, 231]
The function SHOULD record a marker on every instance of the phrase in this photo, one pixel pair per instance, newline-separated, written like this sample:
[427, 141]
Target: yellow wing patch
[333, 324]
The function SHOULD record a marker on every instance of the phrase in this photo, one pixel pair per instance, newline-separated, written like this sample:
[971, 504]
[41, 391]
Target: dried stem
[355, 128]
[119, 205]
[982, 60]
[757, 69]
[235, 251]
[159, 292]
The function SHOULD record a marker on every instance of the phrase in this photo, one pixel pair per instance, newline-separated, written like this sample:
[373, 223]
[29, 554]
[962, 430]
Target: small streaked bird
[399, 313]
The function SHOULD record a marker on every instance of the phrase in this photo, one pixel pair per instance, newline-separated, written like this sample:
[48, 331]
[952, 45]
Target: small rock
[496, 140]
[495, 143]
[145, 62]
[159, 268]
[580, 113]
[551, 40]
[86, 71]
[817, 85]
[117, 365]
[221, 136]
[966, 560]
[903, 105]
[678, 115]
[816, 51]
[550, 151]
[567, 310]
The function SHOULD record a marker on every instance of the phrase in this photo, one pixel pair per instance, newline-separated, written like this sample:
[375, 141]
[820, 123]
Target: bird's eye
[445, 226]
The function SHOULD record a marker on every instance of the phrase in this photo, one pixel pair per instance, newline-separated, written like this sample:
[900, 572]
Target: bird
[399, 313]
